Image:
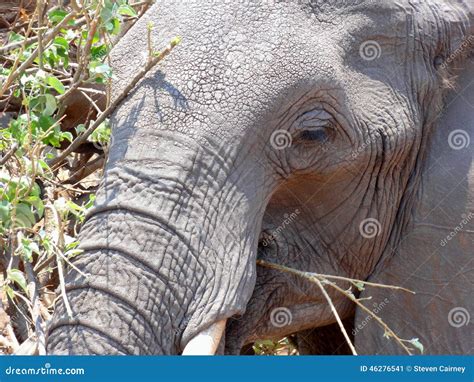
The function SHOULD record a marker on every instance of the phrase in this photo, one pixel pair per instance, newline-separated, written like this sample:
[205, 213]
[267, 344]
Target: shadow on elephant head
[330, 138]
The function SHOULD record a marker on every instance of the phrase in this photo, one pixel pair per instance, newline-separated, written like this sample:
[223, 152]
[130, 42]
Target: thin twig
[8, 155]
[47, 39]
[86, 170]
[31, 40]
[319, 278]
[93, 91]
[97, 108]
[35, 309]
[6, 84]
[62, 285]
[336, 315]
[330, 277]
[40, 12]
[53, 229]
[101, 118]
[376, 318]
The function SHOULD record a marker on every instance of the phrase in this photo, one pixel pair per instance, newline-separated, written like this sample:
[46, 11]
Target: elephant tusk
[207, 341]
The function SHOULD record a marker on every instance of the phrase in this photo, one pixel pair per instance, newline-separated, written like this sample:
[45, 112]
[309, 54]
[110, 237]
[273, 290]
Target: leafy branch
[58, 55]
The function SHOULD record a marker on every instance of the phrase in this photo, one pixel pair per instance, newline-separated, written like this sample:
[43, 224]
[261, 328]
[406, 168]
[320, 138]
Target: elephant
[330, 137]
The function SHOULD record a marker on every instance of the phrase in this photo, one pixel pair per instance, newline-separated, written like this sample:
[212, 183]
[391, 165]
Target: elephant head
[304, 133]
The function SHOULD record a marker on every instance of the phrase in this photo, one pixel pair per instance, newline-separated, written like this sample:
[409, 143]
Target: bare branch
[320, 279]
[336, 315]
[101, 118]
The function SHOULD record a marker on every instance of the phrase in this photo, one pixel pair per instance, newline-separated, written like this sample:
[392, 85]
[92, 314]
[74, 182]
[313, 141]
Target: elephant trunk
[169, 251]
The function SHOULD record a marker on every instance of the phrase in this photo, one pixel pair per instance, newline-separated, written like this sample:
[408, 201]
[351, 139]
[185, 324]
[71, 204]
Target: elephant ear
[434, 256]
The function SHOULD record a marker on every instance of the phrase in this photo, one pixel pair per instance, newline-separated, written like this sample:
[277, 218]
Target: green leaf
[127, 10]
[17, 276]
[66, 135]
[15, 37]
[36, 202]
[4, 212]
[61, 42]
[417, 344]
[56, 84]
[175, 41]
[10, 292]
[24, 216]
[57, 15]
[45, 122]
[98, 52]
[50, 105]
[80, 128]
[359, 285]
[27, 248]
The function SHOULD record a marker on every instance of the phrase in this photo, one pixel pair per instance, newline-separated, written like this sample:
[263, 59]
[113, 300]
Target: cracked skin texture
[193, 179]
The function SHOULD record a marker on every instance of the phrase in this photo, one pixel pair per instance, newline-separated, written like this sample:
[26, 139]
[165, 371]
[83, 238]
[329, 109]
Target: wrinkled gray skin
[193, 179]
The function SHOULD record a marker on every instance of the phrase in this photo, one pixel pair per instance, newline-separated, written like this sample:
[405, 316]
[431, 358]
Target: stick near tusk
[207, 341]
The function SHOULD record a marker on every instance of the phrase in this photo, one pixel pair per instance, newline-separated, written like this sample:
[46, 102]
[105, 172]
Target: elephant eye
[318, 134]
[314, 125]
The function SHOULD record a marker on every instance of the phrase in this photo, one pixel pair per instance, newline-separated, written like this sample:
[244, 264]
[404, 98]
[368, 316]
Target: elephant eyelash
[314, 126]
[318, 134]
